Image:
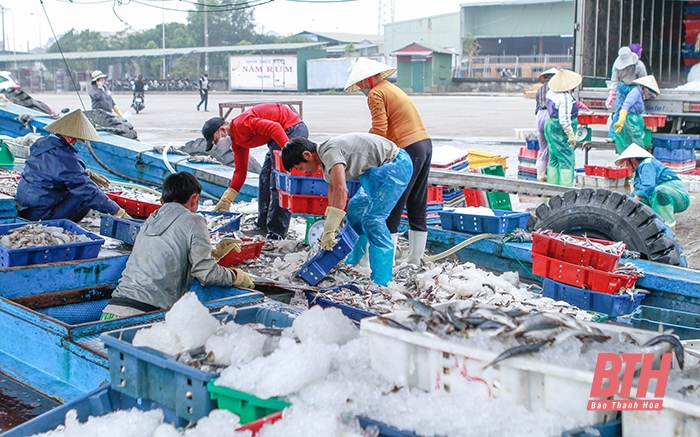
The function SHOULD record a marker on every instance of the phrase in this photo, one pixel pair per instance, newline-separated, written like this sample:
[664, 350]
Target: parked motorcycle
[137, 103]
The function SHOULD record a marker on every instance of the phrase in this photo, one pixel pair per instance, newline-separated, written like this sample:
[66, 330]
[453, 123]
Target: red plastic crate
[588, 119]
[575, 254]
[249, 249]
[579, 276]
[277, 156]
[134, 208]
[256, 425]
[691, 25]
[527, 153]
[474, 197]
[607, 172]
[435, 195]
[303, 204]
[654, 120]
[691, 36]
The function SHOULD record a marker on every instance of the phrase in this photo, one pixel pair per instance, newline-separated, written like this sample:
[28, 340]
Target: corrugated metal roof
[429, 48]
[348, 37]
[341, 48]
[159, 52]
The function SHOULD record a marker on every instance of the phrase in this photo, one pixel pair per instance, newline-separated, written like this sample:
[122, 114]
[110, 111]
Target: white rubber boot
[364, 261]
[416, 246]
[395, 242]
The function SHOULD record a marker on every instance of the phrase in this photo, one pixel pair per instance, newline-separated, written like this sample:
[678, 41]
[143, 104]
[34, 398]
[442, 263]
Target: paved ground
[470, 121]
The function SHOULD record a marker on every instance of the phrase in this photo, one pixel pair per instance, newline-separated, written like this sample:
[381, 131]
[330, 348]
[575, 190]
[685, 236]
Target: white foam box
[424, 361]
[526, 134]
[588, 181]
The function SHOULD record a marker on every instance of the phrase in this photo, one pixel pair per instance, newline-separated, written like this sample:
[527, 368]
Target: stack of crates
[596, 176]
[527, 160]
[436, 203]
[691, 21]
[583, 276]
[457, 161]
[495, 199]
[676, 152]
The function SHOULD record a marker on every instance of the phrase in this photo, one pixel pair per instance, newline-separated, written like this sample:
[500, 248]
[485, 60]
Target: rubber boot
[566, 177]
[416, 246]
[364, 261]
[395, 241]
[552, 175]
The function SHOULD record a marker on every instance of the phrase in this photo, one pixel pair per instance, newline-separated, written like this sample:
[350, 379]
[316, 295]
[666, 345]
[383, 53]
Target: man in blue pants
[384, 171]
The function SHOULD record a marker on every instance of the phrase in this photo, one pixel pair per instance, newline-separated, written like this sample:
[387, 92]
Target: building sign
[267, 72]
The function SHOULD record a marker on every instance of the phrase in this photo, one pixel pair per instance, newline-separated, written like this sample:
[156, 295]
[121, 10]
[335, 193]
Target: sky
[26, 23]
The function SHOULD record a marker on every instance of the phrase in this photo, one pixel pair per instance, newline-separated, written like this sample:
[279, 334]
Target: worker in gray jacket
[171, 249]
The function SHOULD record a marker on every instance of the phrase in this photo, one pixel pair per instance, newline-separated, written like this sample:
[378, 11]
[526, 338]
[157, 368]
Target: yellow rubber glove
[118, 111]
[243, 279]
[122, 214]
[333, 218]
[225, 203]
[620, 123]
[100, 180]
[570, 134]
[225, 246]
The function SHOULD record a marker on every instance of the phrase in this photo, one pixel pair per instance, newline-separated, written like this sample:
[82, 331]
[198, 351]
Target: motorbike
[138, 101]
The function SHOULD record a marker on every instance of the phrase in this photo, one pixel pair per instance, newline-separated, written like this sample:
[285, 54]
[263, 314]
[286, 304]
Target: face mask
[224, 142]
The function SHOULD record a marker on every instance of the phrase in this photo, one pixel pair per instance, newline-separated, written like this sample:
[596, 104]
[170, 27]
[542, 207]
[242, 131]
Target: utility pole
[206, 39]
[2, 11]
[163, 29]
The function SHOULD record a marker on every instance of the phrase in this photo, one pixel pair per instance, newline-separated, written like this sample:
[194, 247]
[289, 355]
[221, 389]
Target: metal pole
[2, 10]
[163, 12]
[206, 38]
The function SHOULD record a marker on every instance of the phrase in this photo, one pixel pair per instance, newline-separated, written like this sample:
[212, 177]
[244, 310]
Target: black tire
[19, 97]
[112, 123]
[608, 215]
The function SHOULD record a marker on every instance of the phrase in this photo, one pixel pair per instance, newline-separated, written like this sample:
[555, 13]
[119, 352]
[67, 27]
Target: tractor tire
[609, 215]
[112, 123]
[19, 97]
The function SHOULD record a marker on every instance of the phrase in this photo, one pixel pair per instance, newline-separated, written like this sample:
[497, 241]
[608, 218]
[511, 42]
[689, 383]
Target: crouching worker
[384, 171]
[55, 183]
[655, 184]
[172, 248]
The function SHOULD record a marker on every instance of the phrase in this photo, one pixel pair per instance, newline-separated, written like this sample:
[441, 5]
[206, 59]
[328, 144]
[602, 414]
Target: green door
[417, 75]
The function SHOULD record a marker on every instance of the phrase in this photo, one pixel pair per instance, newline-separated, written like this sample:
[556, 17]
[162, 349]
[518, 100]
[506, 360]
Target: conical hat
[364, 68]
[632, 151]
[551, 72]
[625, 58]
[75, 124]
[564, 80]
[649, 82]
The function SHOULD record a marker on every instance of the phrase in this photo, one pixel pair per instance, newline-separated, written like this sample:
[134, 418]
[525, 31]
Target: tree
[470, 48]
[226, 25]
[350, 49]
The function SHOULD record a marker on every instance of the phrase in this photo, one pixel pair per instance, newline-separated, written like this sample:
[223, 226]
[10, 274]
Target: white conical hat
[75, 124]
[649, 82]
[625, 58]
[552, 71]
[364, 68]
[97, 74]
[632, 151]
[564, 80]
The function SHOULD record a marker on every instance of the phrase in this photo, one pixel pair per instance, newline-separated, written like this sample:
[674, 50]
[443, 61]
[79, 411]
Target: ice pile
[37, 235]
[219, 423]
[475, 210]
[121, 423]
[187, 325]
[303, 421]
[329, 326]
[233, 344]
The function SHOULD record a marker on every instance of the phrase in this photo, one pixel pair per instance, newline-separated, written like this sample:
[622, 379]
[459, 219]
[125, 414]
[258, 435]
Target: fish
[275, 332]
[420, 308]
[519, 350]
[393, 323]
[688, 390]
[452, 317]
[674, 341]
[534, 323]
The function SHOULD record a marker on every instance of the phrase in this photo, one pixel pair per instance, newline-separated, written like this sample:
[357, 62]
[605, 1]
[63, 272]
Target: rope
[460, 246]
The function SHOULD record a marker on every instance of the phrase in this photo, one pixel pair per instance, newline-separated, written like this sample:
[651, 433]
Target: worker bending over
[171, 249]
[629, 128]
[384, 172]
[395, 117]
[559, 128]
[272, 124]
[55, 183]
[655, 184]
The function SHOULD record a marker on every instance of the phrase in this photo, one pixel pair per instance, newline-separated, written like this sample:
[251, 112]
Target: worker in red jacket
[272, 124]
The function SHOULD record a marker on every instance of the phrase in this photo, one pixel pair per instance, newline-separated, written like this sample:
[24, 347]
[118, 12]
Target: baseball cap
[209, 129]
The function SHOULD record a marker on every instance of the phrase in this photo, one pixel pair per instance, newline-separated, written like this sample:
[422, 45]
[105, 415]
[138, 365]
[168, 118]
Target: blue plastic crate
[354, 314]
[232, 224]
[98, 402]
[532, 144]
[146, 373]
[460, 166]
[324, 261]
[611, 304]
[309, 186]
[11, 220]
[384, 429]
[50, 254]
[606, 429]
[673, 142]
[684, 324]
[526, 175]
[122, 229]
[502, 222]
[674, 155]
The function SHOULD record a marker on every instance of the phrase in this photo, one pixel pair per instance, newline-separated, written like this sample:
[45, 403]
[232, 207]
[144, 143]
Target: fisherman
[626, 69]
[395, 117]
[269, 123]
[559, 128]
[171, 249]
[629, 128]
[99, 96]
[541, 117]
[384, 171]
[55, 183]
[655, 184]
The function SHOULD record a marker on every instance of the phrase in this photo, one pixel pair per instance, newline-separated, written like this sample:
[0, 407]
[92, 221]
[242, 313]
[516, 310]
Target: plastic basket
[134, 208]
[686, 325]
[526, 153]
[142, 372]
[384, 429]
[527, 175]
[674, 155]
[303, 204]
[324, 261]
[50, 254]
[474, 197]
[246, 406]
[478, 159]
[350, 312]
[588, 119]
[249, 250]
[654, 120]
[532, 144]
[309, 186]
[579, 276]
[576, 254]
[502, 222]
[277, 156]
[122, 229]
[435, 195]
[611, 304]
[607, 172]
[583, 180]
[606, 429]
[232, 224]
[257, 425]
[667, 141]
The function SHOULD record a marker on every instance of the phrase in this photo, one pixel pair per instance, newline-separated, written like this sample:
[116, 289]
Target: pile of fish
[9, 179]
[215, 220]
[137, 194]
[36, 234]
[521, 332]
[614, 248]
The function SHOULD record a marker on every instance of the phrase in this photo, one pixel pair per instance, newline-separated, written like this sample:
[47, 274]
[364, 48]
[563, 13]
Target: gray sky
[26, 23]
